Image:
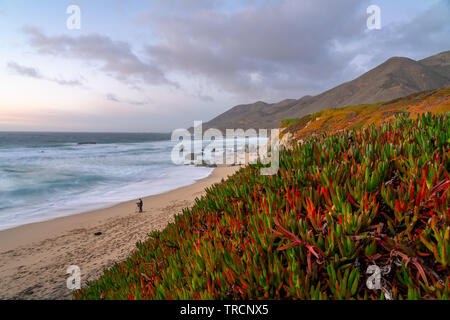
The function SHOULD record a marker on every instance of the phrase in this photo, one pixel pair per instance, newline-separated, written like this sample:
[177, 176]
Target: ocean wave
[46, 182]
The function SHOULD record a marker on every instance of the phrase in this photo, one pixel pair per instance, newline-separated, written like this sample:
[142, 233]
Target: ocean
[49, 175]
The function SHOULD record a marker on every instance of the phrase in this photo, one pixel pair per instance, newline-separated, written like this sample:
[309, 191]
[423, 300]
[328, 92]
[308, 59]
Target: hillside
[352, 117]
[440, 63]
[341, 202]
[394, 78]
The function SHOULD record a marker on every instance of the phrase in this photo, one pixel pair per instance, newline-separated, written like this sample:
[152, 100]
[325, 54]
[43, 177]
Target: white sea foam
[48, 181]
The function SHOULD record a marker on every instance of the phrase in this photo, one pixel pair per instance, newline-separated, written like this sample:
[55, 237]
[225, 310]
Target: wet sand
[34, 258]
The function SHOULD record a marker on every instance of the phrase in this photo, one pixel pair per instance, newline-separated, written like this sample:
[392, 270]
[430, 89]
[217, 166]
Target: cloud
[185, 6]
[25, 71]
[114, 57]
[71, 83]
[426, 34]
[204, 98]
[287, 48]
[114, 98]
[36, 74]
[254, 50]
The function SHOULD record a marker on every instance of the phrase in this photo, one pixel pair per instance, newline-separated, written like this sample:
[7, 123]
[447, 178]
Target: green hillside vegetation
[340, 203]
[355, 117]
[289, 122]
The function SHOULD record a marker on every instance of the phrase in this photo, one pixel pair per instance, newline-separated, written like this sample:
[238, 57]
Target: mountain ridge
[394, 78]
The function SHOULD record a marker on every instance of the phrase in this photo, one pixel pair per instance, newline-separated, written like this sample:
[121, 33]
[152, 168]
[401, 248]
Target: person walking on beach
[140, 205]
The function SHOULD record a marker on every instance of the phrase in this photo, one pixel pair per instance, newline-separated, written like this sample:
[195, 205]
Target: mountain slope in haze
[255, 115]
[397, 77]
[439, 63]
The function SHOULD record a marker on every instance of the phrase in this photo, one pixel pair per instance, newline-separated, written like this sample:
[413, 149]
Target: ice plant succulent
[341, 202]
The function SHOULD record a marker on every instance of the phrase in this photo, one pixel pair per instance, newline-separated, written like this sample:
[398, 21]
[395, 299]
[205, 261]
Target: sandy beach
[34, 257]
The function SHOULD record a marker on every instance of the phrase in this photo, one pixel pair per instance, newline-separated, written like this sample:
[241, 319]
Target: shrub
[340, 203]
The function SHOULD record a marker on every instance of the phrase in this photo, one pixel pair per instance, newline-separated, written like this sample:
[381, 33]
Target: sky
[158, 65]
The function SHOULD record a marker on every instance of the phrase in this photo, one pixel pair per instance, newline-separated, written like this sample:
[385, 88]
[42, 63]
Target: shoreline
[79, 205]
[34, 257]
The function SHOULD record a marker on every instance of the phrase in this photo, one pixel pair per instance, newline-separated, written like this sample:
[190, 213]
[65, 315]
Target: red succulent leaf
[296, 241]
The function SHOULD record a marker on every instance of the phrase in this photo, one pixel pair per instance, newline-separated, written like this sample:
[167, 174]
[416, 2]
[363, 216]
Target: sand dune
[34, 258]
